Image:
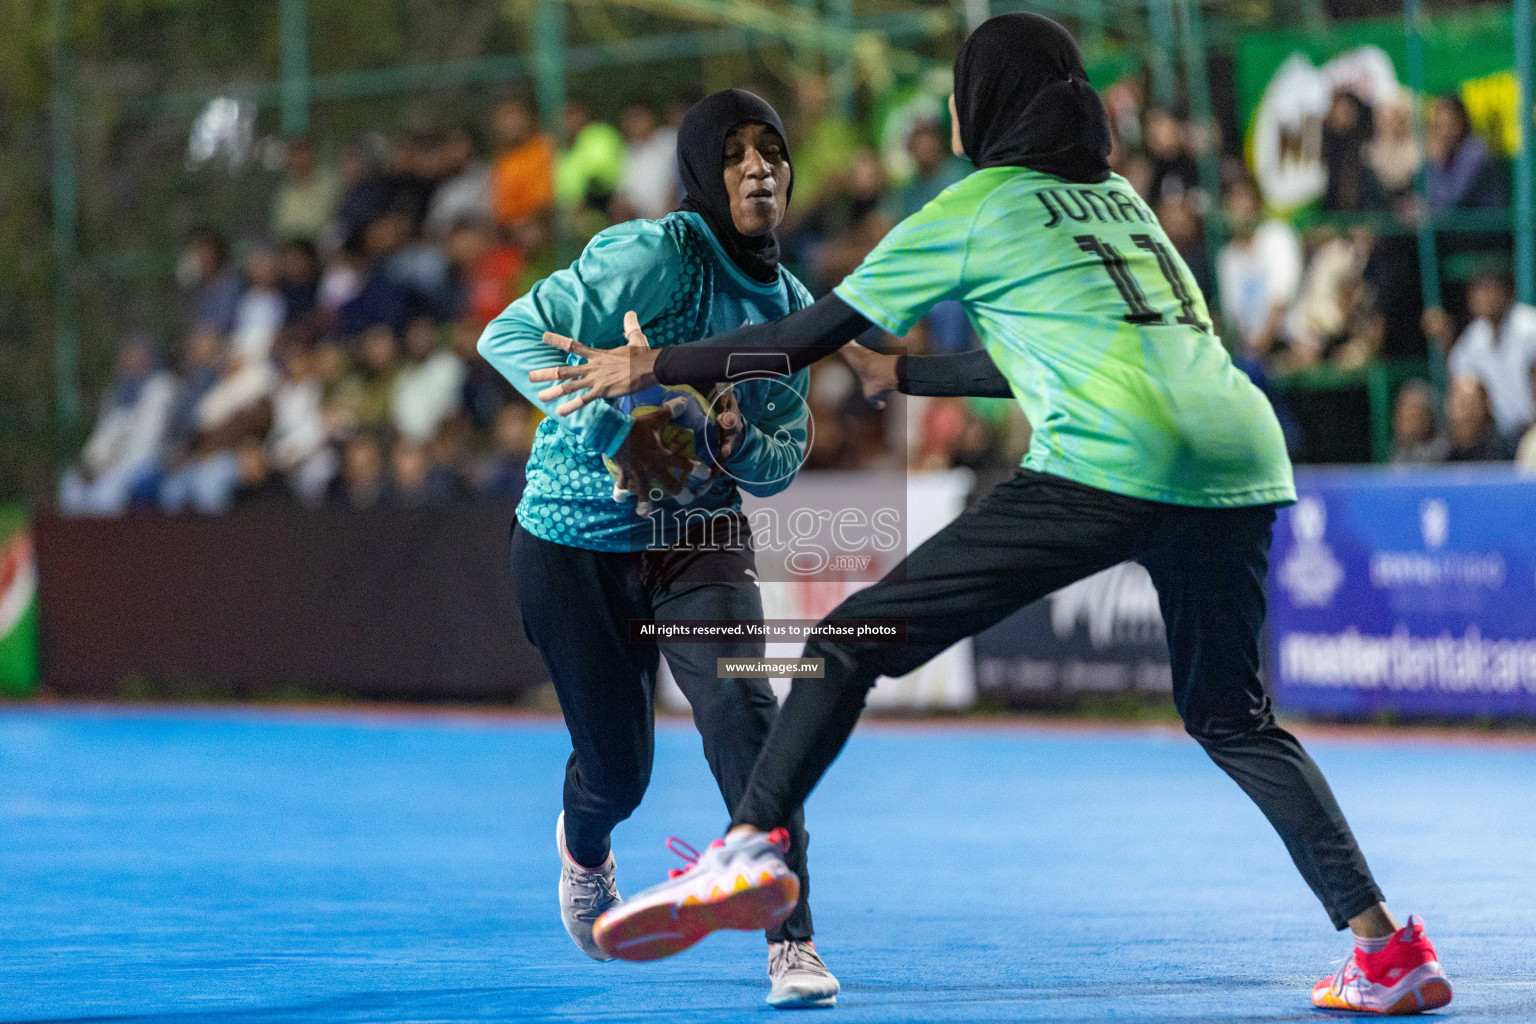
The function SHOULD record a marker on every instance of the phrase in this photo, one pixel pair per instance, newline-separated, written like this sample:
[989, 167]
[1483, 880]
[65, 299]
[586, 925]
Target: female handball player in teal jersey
[1148, 445]
[586, 560]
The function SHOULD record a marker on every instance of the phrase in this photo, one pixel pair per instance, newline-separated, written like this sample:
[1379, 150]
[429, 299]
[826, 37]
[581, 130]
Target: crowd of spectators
[334, 361]
[1345, 292]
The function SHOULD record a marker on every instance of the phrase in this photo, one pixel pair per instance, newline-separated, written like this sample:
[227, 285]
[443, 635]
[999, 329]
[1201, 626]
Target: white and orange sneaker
[740, 883]
[1397, 975]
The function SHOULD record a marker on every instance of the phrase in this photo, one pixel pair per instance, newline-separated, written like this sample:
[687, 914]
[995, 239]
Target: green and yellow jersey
[1092, 316]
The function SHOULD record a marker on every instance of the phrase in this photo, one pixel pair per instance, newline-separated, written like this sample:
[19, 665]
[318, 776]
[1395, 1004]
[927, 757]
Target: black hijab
[1024, 100]
[701, 164]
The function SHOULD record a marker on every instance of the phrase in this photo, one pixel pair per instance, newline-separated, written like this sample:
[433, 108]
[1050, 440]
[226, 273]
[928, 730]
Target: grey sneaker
[584, 894]
[800, 979]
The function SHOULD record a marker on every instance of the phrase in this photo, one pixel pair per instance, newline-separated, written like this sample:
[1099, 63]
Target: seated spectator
[308, 197]
[1498, 347]
[1393, 154]
[202, 364]
[1416, 434]
[934, 168]
[421, 268]
[410, 177]
[824, 145]
[428, 387]
[587, 172]
[364, 396]
[298, 446]
[1175, 174]
[464, 188]
[1351, 187]
[261, 308]
[486, 271]
[123, 450]
[365, 197]
[504, 474]
[850, 221]
[415, 482]
[298, 278]
[485, 391]
[213, 285]
[333, 371]
[1330, 307]
[1473, 436]
[1180, 218]
[363, 482]
[237, 408]
[256, 480]
[1137, 169]
[649, 181]
[341, 279]
[523, 171]
[382, 298]
[1258, 272]
[1462, 171]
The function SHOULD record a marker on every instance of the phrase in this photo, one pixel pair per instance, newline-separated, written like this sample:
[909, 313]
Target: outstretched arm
[779, 347]
[962, 375]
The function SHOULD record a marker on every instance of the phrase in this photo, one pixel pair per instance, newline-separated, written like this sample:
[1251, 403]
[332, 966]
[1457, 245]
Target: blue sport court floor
[253, 866]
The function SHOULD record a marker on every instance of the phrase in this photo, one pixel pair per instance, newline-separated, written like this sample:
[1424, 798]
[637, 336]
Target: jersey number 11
[1120, 273]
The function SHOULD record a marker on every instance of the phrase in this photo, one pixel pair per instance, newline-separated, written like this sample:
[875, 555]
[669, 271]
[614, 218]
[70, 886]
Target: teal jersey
[683, 286]
[1096, 322]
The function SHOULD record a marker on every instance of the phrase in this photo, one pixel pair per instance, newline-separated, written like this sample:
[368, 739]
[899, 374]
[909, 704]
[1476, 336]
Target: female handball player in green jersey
[587, 561]
[1148, 445]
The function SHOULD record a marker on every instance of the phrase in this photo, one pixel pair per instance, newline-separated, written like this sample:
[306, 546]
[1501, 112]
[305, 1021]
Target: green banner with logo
[1285, 81]
[18, 604]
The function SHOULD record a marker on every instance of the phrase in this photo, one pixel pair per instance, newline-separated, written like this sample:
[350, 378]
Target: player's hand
[876, 371]
[607, 373]
[644, 462]
[733, 426]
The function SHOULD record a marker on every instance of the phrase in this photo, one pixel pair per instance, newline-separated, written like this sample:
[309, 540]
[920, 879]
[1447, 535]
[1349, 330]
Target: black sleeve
[966, 374]
[780, 346]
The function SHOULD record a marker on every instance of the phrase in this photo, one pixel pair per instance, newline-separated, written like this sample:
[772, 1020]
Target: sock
[589, 856]
[1366, 945]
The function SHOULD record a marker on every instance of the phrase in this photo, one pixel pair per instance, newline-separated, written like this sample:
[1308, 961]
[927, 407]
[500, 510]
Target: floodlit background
[250, 458]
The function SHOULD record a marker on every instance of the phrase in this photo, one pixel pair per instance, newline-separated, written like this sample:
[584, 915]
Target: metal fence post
[840, 14]
[549, 64]
[1197, 81]
[66, 217]
[1525, 214]
[294, 42]
[1429, 263]
[1165, 89]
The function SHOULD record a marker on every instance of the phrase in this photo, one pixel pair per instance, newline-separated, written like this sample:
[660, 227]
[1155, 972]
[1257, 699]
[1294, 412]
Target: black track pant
[576, 607]
[1033, 534]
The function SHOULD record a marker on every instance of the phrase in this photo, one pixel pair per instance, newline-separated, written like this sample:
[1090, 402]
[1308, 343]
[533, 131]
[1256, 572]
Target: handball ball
[691, 432]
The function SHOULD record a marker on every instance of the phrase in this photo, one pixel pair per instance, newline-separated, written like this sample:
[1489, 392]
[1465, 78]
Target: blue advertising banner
[1406, 591]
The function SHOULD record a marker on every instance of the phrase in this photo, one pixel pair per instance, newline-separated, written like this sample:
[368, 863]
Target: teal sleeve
[920, 262]
[627, 267]
[775, 441]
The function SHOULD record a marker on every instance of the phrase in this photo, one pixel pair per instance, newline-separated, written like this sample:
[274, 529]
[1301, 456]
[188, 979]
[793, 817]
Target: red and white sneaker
[740, 883]
[1400, 978]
